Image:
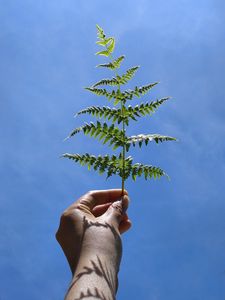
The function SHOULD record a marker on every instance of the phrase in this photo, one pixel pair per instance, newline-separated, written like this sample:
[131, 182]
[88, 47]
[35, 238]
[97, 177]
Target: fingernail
[118, 205]
[123, 202]
[118, 202]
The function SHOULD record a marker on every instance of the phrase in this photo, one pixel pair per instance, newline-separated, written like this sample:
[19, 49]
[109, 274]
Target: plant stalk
[123, 152]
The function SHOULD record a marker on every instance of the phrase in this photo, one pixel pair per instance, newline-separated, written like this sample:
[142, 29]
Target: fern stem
[123, 152]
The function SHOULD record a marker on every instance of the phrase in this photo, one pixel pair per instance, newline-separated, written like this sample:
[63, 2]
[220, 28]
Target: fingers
[124, 226]
[116, 213]
[99, 210]
[99, 197]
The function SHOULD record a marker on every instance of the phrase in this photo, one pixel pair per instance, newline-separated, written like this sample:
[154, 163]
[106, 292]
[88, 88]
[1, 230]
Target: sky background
[176, 247]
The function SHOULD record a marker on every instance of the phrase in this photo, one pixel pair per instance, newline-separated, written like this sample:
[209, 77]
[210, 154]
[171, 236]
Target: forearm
[98, 266]
[95, 278]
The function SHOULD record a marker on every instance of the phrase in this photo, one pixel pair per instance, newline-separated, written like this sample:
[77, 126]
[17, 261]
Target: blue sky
[176, 248]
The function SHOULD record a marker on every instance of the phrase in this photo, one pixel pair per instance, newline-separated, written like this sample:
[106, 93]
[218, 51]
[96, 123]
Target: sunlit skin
[105, 213]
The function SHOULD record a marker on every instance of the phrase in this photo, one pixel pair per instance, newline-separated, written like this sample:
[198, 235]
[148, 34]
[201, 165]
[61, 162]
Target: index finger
[98, 197]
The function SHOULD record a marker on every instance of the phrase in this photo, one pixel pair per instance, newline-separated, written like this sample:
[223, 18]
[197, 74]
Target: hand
[98, 211]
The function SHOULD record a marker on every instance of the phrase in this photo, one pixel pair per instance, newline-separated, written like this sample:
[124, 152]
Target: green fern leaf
[138, 91]
[115, 64]
[146, 138]
[119, 80]
[105, 112]
[149, 107]
[137, 170]
[144, 89]
[112, 134]
[143, 109]
[111, 46]
[103, 53]
[101, 43]
[109, 95]
[104, 42]
[119, 167]
[127, 76]
[100, 32]
[103, 132]
[108, 43]
[106, 81]
[100, 163]
[98, 92]
[110, 164]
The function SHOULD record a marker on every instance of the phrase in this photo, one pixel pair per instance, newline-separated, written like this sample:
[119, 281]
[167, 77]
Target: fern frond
[146, 88]
[119, 167]
[110, 164]
[100, 33]
[115, 64]
[129, 112]
[138, 91]
[108, 43]
[103, 53]
[111, 45]
[118, 80]
[109, 95]
[106, 81]
[104, 41]
[113, 165]
[100, 163]
[146, 170]
[111, 134]
[144, 109]
[146, 138]
[121, 96]
[98, 92]
[105, 112]
[127, 76]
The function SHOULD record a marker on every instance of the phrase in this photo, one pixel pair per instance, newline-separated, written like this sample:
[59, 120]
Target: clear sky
[176, 248]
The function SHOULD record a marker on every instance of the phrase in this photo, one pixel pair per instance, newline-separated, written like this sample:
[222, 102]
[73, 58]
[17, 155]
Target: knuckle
[91, 193]
[66, 217]
[57, 235]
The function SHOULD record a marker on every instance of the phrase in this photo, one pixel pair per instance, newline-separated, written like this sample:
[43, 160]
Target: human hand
[105, 218]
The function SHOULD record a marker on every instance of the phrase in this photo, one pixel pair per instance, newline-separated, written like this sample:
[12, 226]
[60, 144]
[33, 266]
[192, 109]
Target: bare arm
[89, 234]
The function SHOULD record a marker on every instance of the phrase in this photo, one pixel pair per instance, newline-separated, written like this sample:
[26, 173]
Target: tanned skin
[90, 236]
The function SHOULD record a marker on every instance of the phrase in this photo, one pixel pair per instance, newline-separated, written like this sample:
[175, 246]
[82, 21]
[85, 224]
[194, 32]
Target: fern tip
[167, 176]
[66, 138]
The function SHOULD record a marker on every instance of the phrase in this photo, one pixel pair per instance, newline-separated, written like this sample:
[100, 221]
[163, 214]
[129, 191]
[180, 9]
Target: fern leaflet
[113, 165]
[114, 64]
[146, 138]
[105, 111]
[111, 134]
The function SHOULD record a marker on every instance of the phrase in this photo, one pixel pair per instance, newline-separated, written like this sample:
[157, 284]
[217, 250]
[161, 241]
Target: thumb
[117, 210]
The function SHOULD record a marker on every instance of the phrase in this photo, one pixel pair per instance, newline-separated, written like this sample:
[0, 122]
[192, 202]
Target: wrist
[102, 237]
